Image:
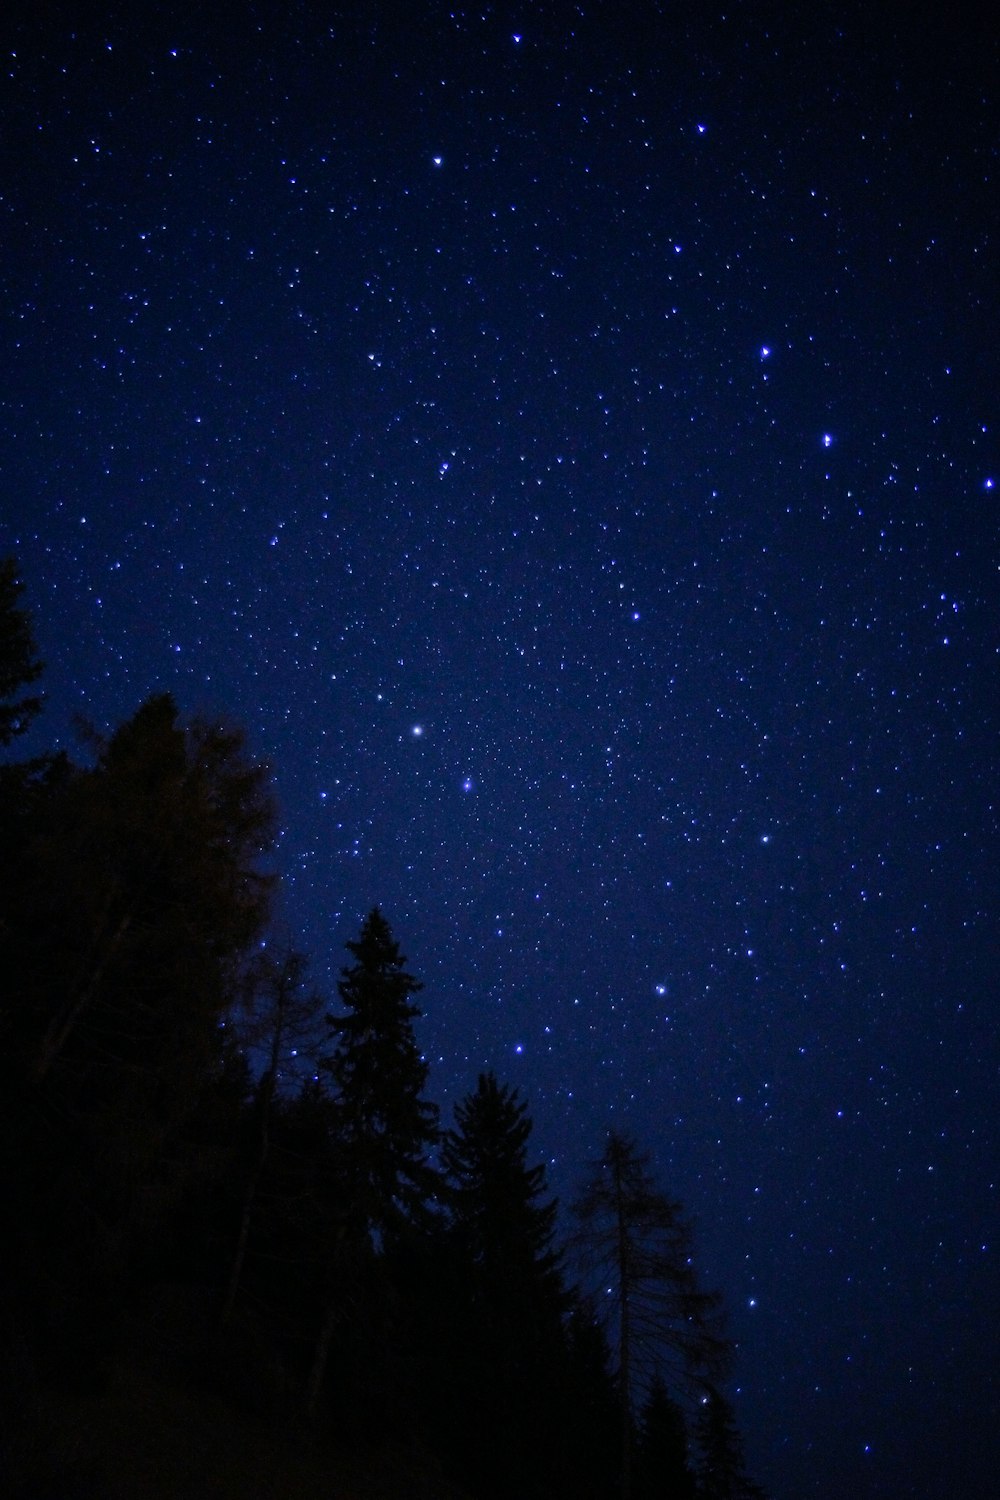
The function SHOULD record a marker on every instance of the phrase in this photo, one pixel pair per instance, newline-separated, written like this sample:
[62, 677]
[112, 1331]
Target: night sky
[565, 437]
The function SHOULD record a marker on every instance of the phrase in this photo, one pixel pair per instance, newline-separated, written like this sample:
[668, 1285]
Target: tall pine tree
[722, 1473]
[503, 1223]
[662, 1470]
[505, 1303]
[385, 1126]
[383, 1131]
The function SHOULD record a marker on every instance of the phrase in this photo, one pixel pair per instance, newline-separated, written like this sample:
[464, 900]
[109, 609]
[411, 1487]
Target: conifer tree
[135, 898]
[721, 1471]
[635, 1248]
[138, 896]
[496, 1198]
[155, 891]
[662, 1470]
[385, 1126]
[508, 1339]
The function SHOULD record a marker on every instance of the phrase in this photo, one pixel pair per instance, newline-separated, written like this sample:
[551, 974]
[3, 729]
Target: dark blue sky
[564, 435]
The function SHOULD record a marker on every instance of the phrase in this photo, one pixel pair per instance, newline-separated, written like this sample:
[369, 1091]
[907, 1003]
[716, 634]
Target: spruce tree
[385, 1127]
[507, 1338]
[502, 1220]
[662, 1470]
[721, 1471]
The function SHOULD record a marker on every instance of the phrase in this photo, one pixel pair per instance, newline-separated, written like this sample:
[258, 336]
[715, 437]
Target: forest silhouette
[244, 1255]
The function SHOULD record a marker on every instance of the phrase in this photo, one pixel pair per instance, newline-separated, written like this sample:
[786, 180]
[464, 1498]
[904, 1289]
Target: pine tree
[385, 1126]
[502, 1222]
[721, 1471]
[504, 1306]
[383, 1129]
[635, 1247]
[662, 1471]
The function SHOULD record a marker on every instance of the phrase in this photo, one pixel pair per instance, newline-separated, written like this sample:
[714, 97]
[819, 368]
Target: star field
[565, 437]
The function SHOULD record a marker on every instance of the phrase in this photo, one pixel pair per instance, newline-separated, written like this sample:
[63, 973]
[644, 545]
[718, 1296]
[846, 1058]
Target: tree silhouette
[280, 1020]
[133, 899]
[496, 1198]
[19, 664]
[137, 895]
[149, 1175]
[385, 1126]
[151, 859]
[662, 1470]
[507, 1288]
[635, 1247]
[721, 1471]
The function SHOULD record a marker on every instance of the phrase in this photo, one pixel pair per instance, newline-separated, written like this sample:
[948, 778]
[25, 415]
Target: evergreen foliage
[662, 1468]
[508, 1340]
[496, 1198]
[721, 1471]
[385, 1126]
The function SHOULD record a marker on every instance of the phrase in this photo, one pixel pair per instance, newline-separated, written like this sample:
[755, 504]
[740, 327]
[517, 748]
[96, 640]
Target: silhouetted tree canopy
[186, 1175]
[634, 1247]
[721, 1471]
[497, 1199]
[386, 1127]
[19, 663]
